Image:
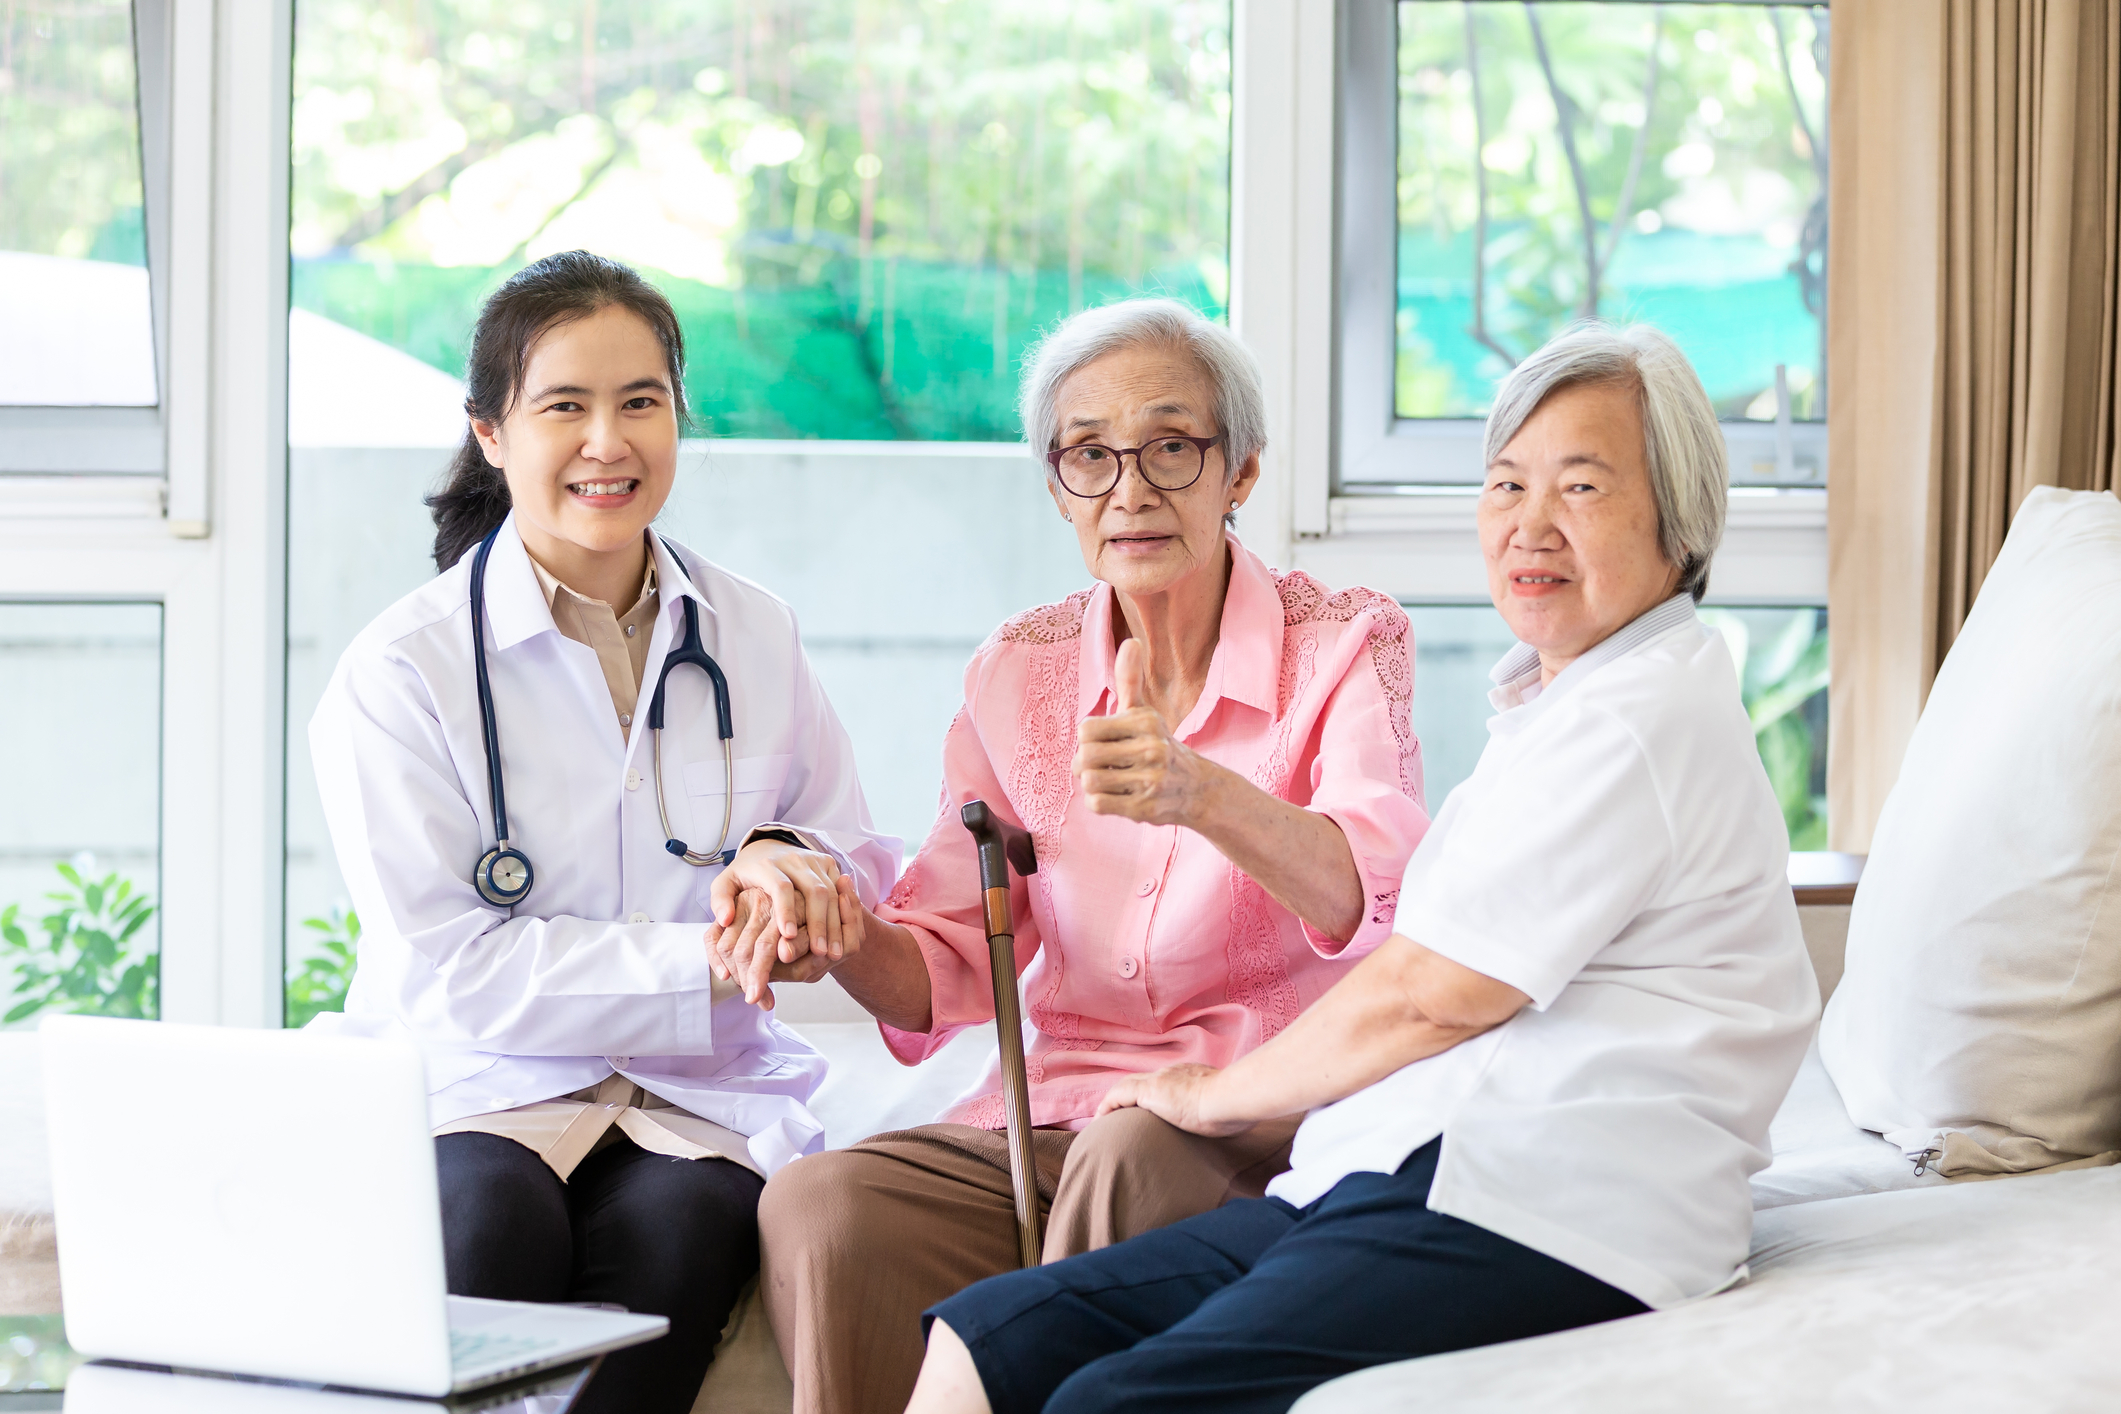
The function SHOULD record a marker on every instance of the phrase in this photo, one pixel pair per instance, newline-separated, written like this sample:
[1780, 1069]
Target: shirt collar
[1246, 666]
[668, 571]
[1516, 677]
[518, 606]
[554, 586]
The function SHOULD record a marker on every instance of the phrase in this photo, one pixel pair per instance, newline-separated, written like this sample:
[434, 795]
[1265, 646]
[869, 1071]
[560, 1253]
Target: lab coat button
[640, 918]
[633, 779]
[1128, 967]
[1148, 887]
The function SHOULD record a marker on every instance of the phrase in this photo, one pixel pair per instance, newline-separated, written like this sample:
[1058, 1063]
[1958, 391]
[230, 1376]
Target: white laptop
[264, 1203]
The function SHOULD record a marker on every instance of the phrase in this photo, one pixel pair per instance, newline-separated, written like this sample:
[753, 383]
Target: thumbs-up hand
[1130, 674]
[1129, 763]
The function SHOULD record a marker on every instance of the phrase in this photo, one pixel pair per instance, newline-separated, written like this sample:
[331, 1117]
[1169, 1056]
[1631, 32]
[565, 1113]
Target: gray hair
[1082, 339]
[1688, 461]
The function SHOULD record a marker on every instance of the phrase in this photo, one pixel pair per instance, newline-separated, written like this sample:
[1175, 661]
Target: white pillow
[1980, 1015]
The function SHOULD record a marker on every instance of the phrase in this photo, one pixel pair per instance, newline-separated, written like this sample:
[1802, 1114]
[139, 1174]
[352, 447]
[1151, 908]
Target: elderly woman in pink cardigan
[1218, 767]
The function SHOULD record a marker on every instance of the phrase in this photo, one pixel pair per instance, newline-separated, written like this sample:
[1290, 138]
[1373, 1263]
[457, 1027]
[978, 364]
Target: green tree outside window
[863, 212]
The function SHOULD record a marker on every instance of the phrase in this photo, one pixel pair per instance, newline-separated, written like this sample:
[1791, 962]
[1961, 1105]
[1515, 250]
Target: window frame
[184, 504]
[208, 537]
[1377, 451]
[116, 441]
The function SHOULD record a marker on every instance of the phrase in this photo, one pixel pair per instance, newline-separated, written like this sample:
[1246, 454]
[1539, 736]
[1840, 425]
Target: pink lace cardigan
[1141, 945]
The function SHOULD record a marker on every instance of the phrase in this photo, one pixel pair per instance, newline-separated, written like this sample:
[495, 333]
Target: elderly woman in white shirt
[1537, 1106]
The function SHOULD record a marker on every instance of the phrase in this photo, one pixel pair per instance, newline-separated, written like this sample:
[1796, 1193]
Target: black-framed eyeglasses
[1169, 463]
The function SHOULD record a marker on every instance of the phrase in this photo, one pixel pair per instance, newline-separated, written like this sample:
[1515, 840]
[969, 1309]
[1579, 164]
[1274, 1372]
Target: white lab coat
[604, 967]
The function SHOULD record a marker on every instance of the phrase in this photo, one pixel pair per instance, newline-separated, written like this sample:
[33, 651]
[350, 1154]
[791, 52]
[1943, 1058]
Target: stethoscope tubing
[487, 728]
[677, 846]
[501, 863]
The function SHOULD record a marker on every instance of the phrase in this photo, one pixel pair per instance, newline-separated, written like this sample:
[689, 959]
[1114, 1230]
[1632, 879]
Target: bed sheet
[1976, 1296]
[1820, 1153]
[868, 1092]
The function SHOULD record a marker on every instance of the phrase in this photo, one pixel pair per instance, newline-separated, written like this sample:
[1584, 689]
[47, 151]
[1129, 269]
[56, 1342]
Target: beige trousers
[855, 1243]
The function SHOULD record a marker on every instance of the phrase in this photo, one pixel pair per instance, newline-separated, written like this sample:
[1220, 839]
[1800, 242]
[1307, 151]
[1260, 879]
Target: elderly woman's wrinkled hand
[1179, 1095]
[751, 951]
[1130, 764]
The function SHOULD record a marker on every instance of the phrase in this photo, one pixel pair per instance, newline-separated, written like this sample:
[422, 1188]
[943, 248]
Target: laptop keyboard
[474, 1348]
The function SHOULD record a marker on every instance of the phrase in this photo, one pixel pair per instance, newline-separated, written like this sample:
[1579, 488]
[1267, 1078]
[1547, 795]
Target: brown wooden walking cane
[1002, 844]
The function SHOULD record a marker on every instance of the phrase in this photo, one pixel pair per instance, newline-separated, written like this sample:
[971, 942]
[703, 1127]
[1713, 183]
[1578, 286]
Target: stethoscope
[504, 876]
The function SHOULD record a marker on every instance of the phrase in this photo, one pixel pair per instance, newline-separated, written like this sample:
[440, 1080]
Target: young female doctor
[534, 768]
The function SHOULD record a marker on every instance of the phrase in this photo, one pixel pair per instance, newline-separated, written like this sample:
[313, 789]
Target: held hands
[781, 914]
[1129, 763]
[1180, 1095]
[799, 884]
[751, 952]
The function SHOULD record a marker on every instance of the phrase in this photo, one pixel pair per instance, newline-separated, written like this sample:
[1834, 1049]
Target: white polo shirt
[1619, 857]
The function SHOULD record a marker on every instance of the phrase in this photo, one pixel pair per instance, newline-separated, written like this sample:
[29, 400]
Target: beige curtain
[1975, 261]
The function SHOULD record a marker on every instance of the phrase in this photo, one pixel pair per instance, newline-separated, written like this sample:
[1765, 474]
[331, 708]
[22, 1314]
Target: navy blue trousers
[1248, 1307]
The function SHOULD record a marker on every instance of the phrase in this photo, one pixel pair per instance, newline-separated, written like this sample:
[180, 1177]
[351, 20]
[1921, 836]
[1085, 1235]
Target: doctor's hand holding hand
[752, 950]
[800, 885]
[1130, 764]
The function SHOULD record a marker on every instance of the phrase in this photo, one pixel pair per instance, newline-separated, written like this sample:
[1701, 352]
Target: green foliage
[34, 1355]
[318, 982]
[70, 132]
[863, 212]
[1692, 133]
[786, 362]
[85, 961]
[1784, 682]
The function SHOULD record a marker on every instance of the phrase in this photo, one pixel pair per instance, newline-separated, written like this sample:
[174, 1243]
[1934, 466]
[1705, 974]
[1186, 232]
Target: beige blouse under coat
[567, 1130]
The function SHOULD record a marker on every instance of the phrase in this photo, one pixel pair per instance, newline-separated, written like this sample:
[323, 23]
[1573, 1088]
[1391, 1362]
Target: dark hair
[535, 300]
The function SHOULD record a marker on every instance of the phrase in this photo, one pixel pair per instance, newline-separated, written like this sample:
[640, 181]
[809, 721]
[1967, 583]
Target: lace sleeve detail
[1304, 600]
[1049, 623]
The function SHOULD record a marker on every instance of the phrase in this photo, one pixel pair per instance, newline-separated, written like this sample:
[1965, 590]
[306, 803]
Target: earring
[1233, 505]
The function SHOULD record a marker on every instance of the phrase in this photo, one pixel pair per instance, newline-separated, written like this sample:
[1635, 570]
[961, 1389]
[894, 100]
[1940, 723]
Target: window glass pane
[1782, 653]
[1782, 658]
[1454, 646]
[80, 828]
[1694, 137]
[76, 327]
[863, 212]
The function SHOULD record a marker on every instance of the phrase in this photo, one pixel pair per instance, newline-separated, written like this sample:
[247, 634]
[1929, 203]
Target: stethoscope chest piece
[504, 876]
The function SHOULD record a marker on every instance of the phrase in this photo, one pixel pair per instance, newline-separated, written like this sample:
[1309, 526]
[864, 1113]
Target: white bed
[1977, 1296]
[1821, 1154]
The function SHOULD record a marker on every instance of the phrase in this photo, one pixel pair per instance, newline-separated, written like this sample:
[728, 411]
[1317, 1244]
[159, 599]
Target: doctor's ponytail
[557, 290]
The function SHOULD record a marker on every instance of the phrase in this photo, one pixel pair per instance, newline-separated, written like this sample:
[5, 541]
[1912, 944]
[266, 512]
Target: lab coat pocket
[758, 796]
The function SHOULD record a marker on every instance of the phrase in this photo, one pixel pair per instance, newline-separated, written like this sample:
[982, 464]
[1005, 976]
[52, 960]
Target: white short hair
[1082, 339]
[1688, 462]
